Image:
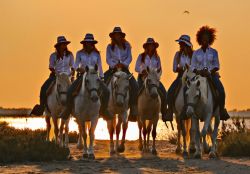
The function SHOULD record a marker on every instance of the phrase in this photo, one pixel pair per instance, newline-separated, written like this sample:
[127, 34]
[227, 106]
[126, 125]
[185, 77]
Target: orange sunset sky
[28, 31]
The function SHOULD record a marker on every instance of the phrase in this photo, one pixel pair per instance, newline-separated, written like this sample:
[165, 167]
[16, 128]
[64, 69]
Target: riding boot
[163, 96]
[39, 109]
[133, 95]
[222, 97]
[104, 112]
[170, 99]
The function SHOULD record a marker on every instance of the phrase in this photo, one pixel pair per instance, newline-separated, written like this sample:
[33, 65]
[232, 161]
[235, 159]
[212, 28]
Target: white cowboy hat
[186, 39]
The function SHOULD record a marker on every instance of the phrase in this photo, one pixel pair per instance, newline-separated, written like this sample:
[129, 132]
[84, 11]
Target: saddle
[50, 88]
[78, 87]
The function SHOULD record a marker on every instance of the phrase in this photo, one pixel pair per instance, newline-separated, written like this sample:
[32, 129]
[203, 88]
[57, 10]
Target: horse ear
[87, 69]
[148, 69]
[198, 83]
[96, 67]
[187, 66]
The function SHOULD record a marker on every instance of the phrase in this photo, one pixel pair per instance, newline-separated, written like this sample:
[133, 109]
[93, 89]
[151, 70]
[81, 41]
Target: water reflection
[101, 130]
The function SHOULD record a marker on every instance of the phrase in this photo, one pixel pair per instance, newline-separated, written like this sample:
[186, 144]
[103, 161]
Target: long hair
[206, 30]
[189, 53]
[124, 41]
[143, 55]
[95, 49]
[58, 55]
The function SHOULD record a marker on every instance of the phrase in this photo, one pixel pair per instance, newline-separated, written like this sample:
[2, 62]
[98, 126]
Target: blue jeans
[221, 90]
[44, 88]
[171, 91]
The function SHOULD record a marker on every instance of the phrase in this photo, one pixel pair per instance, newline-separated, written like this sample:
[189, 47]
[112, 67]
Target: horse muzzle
[190, 111]
[154, 93]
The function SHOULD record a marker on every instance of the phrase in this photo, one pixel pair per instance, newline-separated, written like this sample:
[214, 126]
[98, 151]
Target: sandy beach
[132, 161]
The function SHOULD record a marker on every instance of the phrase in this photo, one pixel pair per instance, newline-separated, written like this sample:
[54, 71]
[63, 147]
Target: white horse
[86, 109]
[149, 104]
[183, 126]
[118, 105]
[56, 103]
[201, 106]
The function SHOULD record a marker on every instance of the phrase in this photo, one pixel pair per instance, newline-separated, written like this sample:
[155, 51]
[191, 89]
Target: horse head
[120, 87]
[193, 94]
[92, 82]
[152, 82]
[62, 85]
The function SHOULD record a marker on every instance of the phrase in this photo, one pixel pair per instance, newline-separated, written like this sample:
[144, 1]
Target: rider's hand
[119, 65]
[80, 70]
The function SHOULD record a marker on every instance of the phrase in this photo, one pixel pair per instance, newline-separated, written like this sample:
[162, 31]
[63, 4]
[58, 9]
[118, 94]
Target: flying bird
[187, 12]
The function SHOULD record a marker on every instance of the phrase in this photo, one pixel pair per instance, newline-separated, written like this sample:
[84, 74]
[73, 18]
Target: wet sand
[132, 161]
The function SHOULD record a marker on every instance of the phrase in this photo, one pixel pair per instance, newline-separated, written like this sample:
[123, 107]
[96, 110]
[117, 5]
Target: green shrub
[26, 145]
[235, 139]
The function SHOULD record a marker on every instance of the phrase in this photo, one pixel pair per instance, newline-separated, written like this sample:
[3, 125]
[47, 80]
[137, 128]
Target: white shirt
[61, 65]
[153, 63]
[183, 60]
[124, 56]
[84, 59]
[208, 59]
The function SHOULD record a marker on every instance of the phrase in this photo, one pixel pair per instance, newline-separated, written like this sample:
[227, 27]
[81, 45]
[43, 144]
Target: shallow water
[101, 130]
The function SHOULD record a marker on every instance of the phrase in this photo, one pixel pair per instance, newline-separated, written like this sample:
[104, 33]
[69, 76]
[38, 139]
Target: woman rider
[181, 59]
[87, 56]
[118, 56]
[150, 58]
[61, 61]
[205, 61]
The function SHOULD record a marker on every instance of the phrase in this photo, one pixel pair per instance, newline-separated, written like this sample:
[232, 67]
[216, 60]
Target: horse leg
[79, 141]
[154, 151]
[118, 130]
[92, 138]
[213, 152]
[56, 130]
[191, 139]
[140, 146]
[111, 134]
[124, 131]
[47, 119]
[207, 123]
[66, 138]
[184, 135]
[61, 142]
[196, 132]
[144, 131]
[149, 127]
[84, 136]
[178, 148]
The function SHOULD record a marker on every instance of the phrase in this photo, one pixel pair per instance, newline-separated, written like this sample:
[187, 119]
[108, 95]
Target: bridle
[148, 85]
[115, 93]
[59, 94]
[92, 89]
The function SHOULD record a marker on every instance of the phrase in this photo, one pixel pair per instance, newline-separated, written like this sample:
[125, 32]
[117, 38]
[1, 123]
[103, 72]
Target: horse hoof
[91, 156]
[154, 152]
[121, 148]
[140, 147]
[192, 151]
[112, 152]
[185, 154]
[197, 156]
[207, 150]
[212, 155]
[85, 156]
[178, 151]
[79, 147]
